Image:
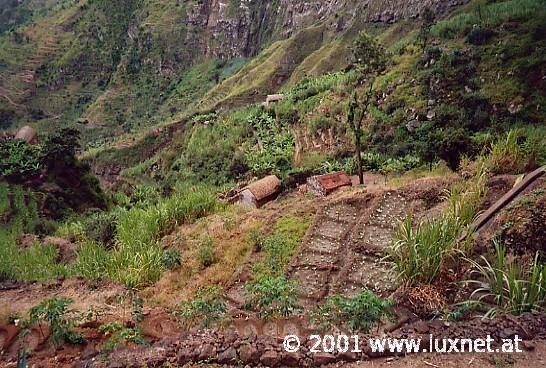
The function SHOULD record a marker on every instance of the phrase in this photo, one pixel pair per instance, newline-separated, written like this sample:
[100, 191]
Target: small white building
[27, 134]
[272, 99]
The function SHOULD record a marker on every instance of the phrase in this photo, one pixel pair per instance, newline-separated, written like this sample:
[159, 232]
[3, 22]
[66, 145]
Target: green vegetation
[121, 335]
[165, 107]
[273, 153]
[515, 288]
[370, 59]
[270, 293]
[419, 250]
[59, 318]
[172, 259]
[137, 259]
[20, 215]
[207, 310]
[519, 151]
[272, 296]
[206, 252]
[19, 160]
[489, 15]
[281, 245]
[358, 314]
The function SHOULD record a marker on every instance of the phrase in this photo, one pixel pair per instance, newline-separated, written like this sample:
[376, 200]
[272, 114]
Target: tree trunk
[359, 158]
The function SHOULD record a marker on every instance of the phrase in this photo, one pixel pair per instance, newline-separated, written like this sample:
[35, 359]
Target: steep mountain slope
[86, 59]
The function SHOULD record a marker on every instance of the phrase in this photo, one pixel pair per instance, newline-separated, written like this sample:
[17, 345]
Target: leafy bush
[359, 313]
[60, 319]
[171, 259]
[206, 252]
[272, 296]
[212, 152]
[144, 195]
[274, 152]
[119, 334]
[19, 160]
[101, 227]
[513, 288]
[206, 310]
[479, 36]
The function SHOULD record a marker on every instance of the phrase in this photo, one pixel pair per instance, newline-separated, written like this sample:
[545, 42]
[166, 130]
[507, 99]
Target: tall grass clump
[137, 259]
[419, 249]
[35, 263]
[513, 288]
[490, 15]
[518, 151]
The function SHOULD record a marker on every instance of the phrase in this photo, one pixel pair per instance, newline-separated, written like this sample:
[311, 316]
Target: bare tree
[429, 19]
[370, 60]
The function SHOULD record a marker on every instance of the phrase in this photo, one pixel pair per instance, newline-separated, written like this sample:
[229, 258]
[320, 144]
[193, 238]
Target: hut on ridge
[260, 192]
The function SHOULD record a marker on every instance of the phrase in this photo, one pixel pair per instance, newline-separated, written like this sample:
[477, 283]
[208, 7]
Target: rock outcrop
[227, 28]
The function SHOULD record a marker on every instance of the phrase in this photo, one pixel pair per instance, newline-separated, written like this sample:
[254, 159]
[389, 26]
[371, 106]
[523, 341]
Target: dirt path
[343, 250]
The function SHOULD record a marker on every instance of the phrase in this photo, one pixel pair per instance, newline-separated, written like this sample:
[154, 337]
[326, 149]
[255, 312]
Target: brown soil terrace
[341, 253]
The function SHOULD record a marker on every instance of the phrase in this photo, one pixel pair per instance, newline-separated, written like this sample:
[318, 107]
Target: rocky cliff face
[112, 52]
[242, 27]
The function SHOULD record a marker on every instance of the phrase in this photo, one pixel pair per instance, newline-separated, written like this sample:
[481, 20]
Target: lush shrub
[272, 296]
[206, 310]
[212, 152]
[479, 36]
[171, 259]
[119, 334]
[274, 151]
[101, 227]
[59, 318]
[359, 313]
[19, 160]
[144, 195]
[206, 252]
